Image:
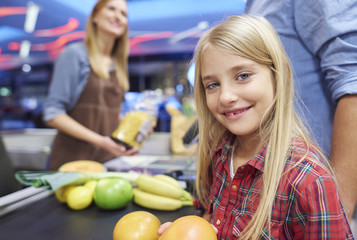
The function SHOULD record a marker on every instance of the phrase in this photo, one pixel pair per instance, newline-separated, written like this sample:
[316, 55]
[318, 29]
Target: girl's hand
[117, 149]
[163, 227]
[214, 228]
[208, 218]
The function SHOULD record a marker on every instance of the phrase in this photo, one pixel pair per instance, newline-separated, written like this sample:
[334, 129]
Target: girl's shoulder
[305, 160]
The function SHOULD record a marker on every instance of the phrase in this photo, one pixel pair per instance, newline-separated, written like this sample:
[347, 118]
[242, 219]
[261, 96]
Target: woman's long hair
[120, 50]
[253, 38]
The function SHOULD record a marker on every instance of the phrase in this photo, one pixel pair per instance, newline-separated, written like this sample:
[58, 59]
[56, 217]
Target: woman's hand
[71, 127]
[116, 148]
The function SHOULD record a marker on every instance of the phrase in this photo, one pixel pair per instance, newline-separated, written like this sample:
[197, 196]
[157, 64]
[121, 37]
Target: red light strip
[150, 36]
[5, 11]
[72, 24]
[14, 46]
[59, 42]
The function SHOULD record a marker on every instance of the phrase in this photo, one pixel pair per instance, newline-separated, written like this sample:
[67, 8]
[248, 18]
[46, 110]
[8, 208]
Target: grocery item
[82, 166]
[133, 129]
[79, 197]
[189, 228]
[112, 193]
[62, 193]
[159, 187]
[138, 225]
[168, 179]
[160, 192]
[157, 202]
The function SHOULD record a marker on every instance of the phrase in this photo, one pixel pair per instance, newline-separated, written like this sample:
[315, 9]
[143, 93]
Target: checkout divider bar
[22, 198]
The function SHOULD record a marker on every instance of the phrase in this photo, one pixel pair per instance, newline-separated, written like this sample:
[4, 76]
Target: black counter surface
[49, 219]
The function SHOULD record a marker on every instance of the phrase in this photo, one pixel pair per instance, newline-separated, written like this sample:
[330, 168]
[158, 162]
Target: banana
[168, 179]
[186, 196]
[157, 186]
[157, 202]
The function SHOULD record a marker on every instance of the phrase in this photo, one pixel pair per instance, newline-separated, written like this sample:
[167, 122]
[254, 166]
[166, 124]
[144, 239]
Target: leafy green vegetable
[55, 180]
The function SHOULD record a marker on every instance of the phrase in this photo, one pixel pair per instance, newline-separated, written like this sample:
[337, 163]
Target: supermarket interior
[163, 35]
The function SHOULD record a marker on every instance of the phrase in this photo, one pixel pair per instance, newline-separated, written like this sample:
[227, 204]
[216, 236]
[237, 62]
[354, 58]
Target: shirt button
[218, 222]
[242, 168]
[226, 184]
[234, 187]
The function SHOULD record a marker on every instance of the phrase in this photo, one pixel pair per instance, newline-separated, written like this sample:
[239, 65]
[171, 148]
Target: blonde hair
[253, 38]
[120, 50]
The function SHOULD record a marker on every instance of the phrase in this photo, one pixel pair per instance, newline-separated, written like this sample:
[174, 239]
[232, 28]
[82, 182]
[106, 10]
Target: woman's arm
[68, 125]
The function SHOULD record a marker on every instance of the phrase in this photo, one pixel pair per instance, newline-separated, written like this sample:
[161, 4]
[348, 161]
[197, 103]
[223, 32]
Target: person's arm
[71, 127]
[344, 150]
[333, 39]
[69, 77]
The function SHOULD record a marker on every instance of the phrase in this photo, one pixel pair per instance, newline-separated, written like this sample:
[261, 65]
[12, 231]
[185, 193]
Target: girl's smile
[236, 113]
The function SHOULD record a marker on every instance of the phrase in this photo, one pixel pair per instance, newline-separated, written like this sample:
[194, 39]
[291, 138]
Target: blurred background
[163, 34]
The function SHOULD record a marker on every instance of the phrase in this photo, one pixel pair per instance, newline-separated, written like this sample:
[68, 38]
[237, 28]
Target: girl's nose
[228, 95]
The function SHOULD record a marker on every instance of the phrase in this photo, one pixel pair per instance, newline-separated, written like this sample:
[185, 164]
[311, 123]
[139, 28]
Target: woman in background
[87, 89]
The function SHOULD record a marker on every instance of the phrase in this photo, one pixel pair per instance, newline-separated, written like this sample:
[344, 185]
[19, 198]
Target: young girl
[259, 175]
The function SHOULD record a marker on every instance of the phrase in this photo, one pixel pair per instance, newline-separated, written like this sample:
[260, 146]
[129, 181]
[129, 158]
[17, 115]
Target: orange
[189, 228]
[138, 225]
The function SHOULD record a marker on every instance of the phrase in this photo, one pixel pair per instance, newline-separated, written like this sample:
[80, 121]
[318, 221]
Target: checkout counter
[35, 213]
[48, 219]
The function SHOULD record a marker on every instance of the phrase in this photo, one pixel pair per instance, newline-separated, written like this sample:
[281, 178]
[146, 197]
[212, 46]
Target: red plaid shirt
[307, 204]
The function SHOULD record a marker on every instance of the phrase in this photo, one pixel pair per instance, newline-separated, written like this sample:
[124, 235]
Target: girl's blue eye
[243, 76]
[212, 85]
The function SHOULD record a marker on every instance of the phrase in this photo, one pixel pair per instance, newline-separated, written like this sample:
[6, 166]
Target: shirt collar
[224, 150]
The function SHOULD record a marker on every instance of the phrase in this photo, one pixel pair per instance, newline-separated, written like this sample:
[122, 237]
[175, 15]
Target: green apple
[112, 193]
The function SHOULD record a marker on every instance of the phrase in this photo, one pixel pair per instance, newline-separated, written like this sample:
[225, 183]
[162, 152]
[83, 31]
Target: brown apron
[98, 109]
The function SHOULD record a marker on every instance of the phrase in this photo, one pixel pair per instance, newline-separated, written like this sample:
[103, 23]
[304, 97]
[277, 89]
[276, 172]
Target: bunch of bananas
[161, 192]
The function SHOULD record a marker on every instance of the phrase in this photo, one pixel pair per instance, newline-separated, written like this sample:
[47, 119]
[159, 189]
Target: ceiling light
[201, 26]
[31, 17]
[25, 49]
[26, 68]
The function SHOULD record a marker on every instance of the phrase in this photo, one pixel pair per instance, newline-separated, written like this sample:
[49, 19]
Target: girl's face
[238, 90]
[112, 18]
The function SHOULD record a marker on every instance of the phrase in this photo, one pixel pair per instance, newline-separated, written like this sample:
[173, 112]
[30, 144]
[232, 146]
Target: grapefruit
[189, 228]
[138, 225]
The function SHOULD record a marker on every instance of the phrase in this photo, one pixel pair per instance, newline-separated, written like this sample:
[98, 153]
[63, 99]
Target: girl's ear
[94, 19]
